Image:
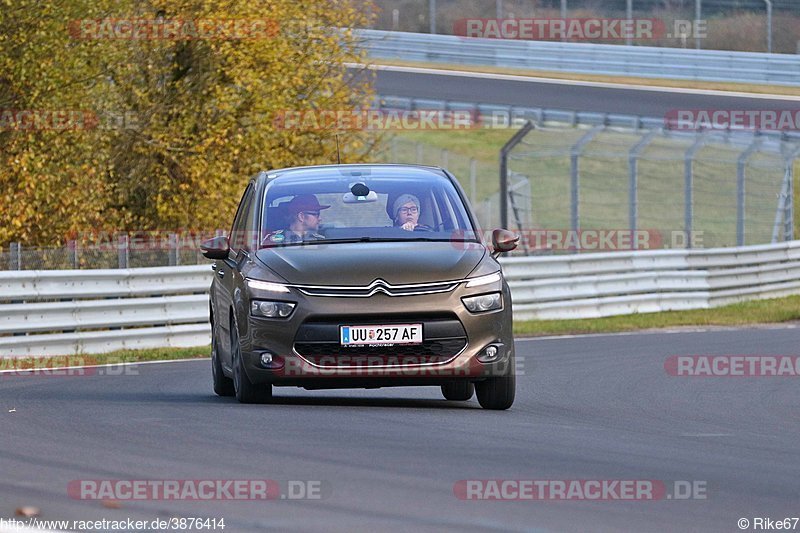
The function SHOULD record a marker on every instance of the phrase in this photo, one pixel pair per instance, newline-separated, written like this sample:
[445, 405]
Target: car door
[227, 273]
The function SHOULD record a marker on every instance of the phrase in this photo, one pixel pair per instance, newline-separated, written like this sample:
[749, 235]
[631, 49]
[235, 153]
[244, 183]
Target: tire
[223, 386]
[496, 393]
[458, 391]
[245, 390]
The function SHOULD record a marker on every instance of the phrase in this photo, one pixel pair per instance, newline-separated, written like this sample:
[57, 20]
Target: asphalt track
[598, 407]
[530, 92]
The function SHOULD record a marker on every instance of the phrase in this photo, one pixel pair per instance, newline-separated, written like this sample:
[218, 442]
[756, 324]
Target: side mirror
[216, 248]
[504, 240]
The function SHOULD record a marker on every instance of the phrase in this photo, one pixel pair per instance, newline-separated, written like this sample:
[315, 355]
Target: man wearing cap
[406, 213]
[303, 221]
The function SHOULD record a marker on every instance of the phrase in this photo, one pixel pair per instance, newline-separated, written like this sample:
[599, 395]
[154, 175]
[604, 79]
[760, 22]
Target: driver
[304, 213]
[406, 213]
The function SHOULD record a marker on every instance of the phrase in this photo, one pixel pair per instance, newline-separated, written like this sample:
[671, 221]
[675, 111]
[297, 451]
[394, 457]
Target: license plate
[391, 334]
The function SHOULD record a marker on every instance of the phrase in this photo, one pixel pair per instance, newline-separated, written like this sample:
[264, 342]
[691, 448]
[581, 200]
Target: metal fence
[477, 178]
[748, 25]
[578, 171]
[684, 189]
[123, 251]
[585, 58]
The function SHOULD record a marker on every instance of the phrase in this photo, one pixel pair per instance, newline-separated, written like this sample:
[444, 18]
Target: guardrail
[56, 312]
[617, 283]
[96, 311]
[604, 59]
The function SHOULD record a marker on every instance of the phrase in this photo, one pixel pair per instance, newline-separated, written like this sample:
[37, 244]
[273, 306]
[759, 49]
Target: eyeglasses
[314, 213]
[408, 210]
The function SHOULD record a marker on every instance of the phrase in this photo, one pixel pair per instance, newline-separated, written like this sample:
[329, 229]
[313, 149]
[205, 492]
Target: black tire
[245, 390]
[496, 393]
[223, 386]
[458, 391]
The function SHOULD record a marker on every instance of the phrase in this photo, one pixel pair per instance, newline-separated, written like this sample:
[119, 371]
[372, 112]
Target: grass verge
[769, 311]
[111, 358]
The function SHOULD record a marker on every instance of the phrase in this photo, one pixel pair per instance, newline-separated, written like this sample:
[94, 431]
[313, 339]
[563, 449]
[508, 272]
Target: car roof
[408, 170]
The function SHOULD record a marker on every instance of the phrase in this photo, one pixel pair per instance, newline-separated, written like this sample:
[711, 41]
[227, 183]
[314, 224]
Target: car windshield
[346, 204]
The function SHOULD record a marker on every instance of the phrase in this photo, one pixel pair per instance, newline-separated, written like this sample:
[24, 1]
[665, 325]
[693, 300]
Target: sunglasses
[315, 213]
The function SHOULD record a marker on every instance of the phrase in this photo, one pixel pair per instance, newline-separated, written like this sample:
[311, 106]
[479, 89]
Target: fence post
[174, 255]
[504, 151]
[698, 14]
[740, 189]
[769, 25]
[788, 217]
[73, 256]
[123, 250]
[419, 153]
[15, 256]
[473, 180]
[633, 183]
[575, 183]
[788, 233]
[445, 157]
[629, 16]
[394, 150]
[688, 187]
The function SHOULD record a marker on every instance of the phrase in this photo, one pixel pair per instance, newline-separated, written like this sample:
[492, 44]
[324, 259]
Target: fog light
[490, 354]
[266, 359]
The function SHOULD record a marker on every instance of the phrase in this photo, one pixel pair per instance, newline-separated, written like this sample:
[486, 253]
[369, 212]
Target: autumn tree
[183, 120]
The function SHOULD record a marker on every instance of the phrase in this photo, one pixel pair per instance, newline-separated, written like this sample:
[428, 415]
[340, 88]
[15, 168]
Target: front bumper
[294, 364]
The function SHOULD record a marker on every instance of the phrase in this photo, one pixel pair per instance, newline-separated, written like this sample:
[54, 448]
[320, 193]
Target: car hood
[361, 263]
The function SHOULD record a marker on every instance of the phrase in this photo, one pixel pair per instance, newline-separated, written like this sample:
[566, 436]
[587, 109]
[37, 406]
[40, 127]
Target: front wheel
[458, 391]
[497, 393]
[246, 391]
[223, 386]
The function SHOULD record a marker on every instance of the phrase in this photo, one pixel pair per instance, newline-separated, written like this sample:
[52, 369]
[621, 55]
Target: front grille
[318, 342]
[377, 286]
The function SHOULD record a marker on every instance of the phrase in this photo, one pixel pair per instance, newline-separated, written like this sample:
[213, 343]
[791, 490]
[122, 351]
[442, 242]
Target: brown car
[360, 276]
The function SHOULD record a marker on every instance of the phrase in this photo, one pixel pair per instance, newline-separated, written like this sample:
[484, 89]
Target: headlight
[483, 302]
[484, 280]
[266, 286]
[269, 309]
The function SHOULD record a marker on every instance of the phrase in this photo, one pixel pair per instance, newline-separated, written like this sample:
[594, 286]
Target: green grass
[769, 311]
[544, 157]
[483, 145]
[111, 358]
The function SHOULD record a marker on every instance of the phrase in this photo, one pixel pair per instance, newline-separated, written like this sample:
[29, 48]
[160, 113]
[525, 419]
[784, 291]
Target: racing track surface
[597, 407]
[530, 92]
